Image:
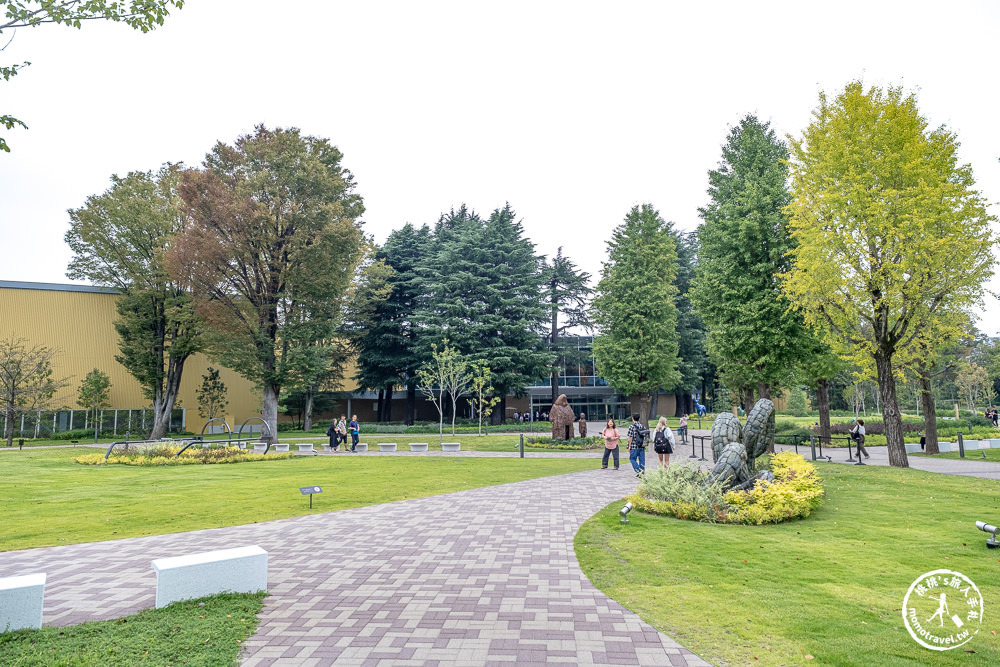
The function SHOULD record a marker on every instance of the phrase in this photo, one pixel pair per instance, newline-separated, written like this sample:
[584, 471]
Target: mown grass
[970, 455]
[205, 632]
[47, 499]
[830, 586]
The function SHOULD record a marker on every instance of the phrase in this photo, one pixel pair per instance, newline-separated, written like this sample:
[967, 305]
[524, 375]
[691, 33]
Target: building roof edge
[57, 287]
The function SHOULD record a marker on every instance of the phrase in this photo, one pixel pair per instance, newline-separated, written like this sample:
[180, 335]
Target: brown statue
[583, 425]
[562, 419]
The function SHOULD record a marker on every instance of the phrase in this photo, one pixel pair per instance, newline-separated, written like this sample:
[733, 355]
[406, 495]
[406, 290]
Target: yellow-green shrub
[166, 455]
[795, 492]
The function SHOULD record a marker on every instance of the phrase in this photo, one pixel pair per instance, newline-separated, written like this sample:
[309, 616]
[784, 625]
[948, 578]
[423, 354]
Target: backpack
[639, 439]
[660, 439]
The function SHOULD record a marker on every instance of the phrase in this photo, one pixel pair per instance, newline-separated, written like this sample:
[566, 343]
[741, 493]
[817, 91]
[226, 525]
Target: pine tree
[693, 364]
[635, 310]
[566, 293]
[753, 335]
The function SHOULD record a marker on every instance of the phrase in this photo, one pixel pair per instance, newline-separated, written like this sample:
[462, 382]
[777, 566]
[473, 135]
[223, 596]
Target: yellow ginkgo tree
[891, 235]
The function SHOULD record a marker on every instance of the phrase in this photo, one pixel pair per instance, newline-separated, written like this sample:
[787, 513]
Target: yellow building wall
[80, 326]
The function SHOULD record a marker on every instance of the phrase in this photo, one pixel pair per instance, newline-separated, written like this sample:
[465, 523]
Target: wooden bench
[21, 602]
[362, 447]
[387, 446]
[240, 570]
[281, 447]
[306, 447]
[259, 449]
[418, 446]
[451, 446]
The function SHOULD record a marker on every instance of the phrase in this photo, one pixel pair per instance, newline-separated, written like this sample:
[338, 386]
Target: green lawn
[970, 455]
[830, 586]
[184, 633]
[47, 499]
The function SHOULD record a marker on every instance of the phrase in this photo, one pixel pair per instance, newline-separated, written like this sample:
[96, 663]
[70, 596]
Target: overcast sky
[572, 112]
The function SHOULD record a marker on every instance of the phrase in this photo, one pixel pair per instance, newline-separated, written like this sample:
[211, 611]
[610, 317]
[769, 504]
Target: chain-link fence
[46, 423]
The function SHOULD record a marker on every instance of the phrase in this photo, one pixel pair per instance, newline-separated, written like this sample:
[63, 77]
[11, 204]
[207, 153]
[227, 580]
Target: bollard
[850, 451]
[522, 445]
[795, 441]
[961, 446]
[702, 449]
[812, 445]
[693, 455]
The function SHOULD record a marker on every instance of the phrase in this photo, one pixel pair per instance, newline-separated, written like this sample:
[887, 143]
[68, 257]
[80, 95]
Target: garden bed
[167, 455]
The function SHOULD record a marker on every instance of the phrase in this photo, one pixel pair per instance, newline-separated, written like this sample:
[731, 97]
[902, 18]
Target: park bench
[418, 446]
[260, 448]
[451, 447]
[327, 449]
[240, 570]
[281, 447]
[387, 446]
[21, 602]
[306, 447]
[362, 447]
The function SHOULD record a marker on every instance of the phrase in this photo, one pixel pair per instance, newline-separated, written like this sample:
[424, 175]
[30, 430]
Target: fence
[45, 423]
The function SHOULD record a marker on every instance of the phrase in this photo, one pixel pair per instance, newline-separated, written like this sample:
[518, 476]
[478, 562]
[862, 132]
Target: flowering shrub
[681, 490]
[795, 492]
[576, 444]
[166, 455]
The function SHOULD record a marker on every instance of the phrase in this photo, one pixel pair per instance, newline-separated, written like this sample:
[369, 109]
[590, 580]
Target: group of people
[639, 437]
[339, 430]
[526, 416]
[993, 416]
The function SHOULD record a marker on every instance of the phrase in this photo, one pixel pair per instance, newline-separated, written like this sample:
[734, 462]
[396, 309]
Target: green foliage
[167, 455]
[795, 492]
[881, 209]
[573, 444]
[94, 393]
[26, 381]
[681, 490]
[211, 395]
[797, 401]
[635, 310]
[566, 293]
[483, 394]
[206, 631]
[753, 337]
[692, 353]
[446, 374]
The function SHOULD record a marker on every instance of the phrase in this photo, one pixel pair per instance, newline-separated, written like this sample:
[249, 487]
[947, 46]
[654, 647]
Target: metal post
[693, 455]
[795, 439]
[531, 413]
[850, 452]
[22, 425]
[522, 445]
[961, 446]
[114, 429]
[702, 449]
[812, 446]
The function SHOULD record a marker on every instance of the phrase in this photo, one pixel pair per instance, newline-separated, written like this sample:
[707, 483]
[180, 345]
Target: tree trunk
[167, 397]
[388, 404]
[411, 404]
[9, 428]
[554, 385]
[269, 411]
[748, 398]
[930, 414]
[764, 390]
[891, 418]
[654, 404]
[499, 415]
[307, 417]
[378, 408]
[823, 405]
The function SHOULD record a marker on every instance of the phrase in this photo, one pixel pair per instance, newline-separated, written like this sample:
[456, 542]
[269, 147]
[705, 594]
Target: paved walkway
[480, 577]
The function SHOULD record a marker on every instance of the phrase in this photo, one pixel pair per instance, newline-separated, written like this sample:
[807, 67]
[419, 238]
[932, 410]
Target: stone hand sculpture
[562, 418]
[735, 446]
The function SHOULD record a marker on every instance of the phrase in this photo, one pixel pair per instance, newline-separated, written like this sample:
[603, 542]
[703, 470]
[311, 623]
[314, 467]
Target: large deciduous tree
[141, 15]
[890, 231]
[26, 382]
[272, 247]
[753, 335]
[119, 239]
[566, 293]
[635, 311]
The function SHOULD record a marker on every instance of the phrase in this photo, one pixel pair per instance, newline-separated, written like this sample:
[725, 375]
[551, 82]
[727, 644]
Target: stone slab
[387, 446]
[21, 599]
[418, 446]
[451, 446]
[239, 570]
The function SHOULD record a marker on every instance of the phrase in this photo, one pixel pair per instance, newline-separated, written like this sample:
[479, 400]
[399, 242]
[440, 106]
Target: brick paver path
[486, 576]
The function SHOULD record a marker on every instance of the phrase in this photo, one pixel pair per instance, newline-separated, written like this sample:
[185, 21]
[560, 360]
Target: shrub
[166, 454]
[680, 490]
[546, 442]
[795, 492]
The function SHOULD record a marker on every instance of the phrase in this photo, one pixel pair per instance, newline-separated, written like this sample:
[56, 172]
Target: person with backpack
[858, 435]
[663, 442]
[637, 436]
[341, 433]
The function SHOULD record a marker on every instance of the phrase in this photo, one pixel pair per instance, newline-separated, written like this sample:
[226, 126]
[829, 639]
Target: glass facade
[585, 390]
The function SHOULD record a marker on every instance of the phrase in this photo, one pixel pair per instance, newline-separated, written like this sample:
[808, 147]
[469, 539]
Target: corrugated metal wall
[80, 326]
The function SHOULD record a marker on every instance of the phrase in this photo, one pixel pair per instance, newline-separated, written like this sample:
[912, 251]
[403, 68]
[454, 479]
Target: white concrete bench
[327, 448]
[21, 602]
[418, 446]
[912, 447]
[240, 570]
[306, 447]
[994, 443]
[259, 449]
[387, 446]
[281, 446]
[362, 447]
[451, 447]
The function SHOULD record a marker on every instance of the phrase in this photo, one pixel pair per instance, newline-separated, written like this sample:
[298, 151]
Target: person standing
[355, 429]
[611, 436]
[858, 435]
[333, 434]
[637, 445]
[663, 442]
[583, 425]
[341, 433]
[682, 429]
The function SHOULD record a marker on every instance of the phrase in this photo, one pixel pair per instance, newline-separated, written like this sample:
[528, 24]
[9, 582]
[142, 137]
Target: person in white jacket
[663, 442]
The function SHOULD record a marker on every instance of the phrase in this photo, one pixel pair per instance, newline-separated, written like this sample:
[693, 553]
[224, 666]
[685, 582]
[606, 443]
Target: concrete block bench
[912, 447]
[21, 602]
[387, 446]
[994, 443]
[451, 446]
[418, 446]
[281, 447]
[971, 444]
[240, 570]
[306, 447]
[945, 446]
[362, 447]
[327, 448]
[259, 449]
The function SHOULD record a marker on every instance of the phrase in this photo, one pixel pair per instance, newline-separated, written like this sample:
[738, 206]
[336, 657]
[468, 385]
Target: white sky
[571, 111]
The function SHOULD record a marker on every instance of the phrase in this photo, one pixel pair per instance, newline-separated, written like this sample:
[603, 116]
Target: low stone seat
[21, 600]
[240, 570]
[387, 446]
[327, 448]
[306, 447]
[259, 449]
[418, 446]
[281, 447]
[994, 443]
[362, 447]
[451, 446]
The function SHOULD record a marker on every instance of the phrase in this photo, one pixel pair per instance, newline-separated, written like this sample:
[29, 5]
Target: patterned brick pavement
[480, 577]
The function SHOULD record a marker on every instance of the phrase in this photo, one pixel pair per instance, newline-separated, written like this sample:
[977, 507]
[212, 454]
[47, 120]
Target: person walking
[682, 428]
[663, 442]
[858, 435]
[341, 433]
[611, 436]
[355, 430]
[583, 425]
[334, 435]
[637, 434]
